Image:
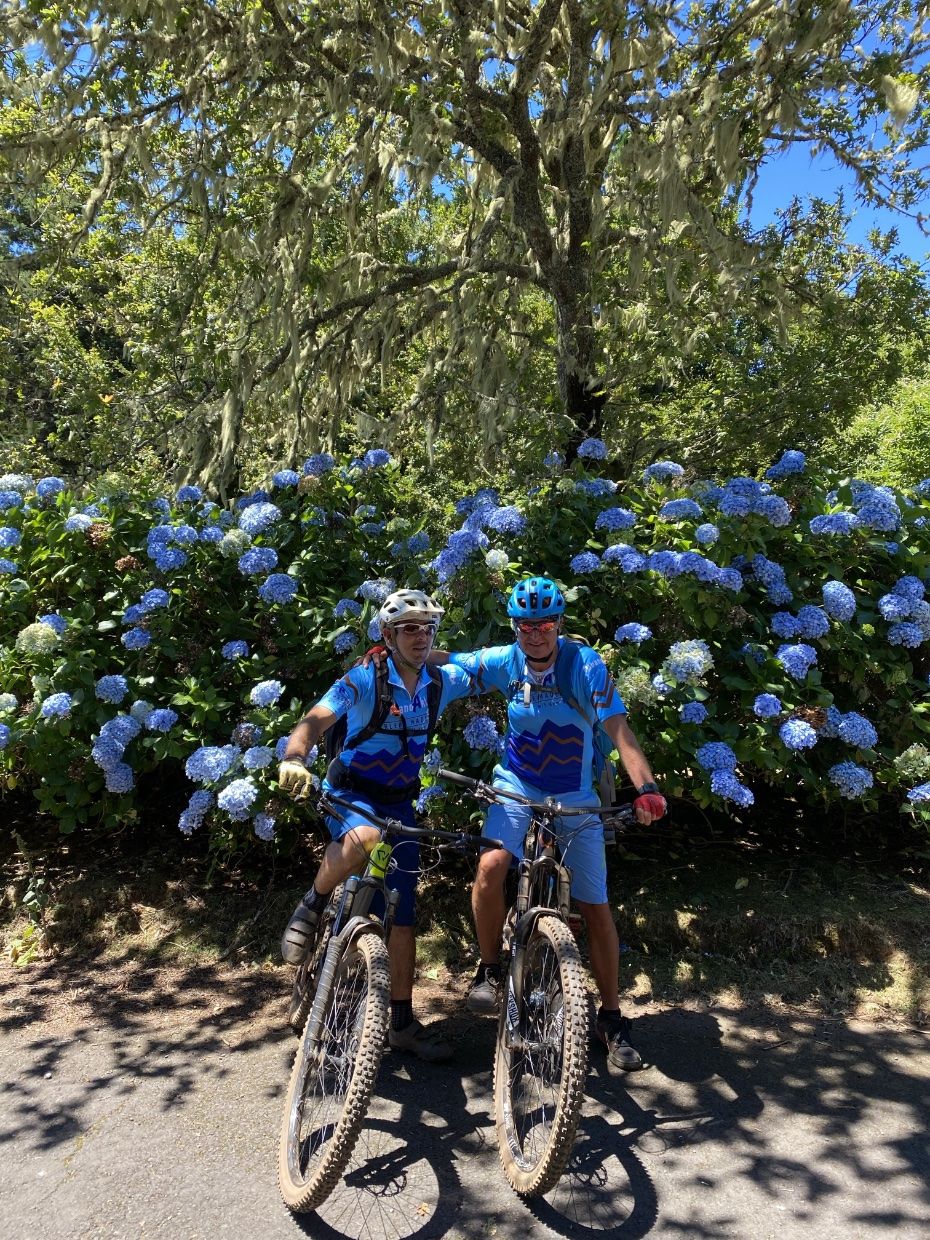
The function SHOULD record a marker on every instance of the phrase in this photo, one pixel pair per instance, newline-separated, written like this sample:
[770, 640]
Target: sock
[490, 971]
[401, 1013]
[315, 900]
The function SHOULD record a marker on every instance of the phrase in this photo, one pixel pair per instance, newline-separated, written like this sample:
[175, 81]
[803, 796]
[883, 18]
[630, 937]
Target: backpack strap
[566, 662]
[384, 700]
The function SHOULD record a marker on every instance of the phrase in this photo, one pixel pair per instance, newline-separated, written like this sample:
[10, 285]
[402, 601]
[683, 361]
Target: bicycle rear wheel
[539, 1086]
[333, 1077]
[308, 973]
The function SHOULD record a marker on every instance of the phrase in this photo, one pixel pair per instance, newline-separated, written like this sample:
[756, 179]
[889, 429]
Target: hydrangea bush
[765, 635]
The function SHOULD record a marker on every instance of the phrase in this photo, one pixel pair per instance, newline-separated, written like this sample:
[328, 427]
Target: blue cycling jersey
[548, 744]
[382, 757]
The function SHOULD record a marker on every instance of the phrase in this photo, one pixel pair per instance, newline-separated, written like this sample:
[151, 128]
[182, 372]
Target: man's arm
[307, 732]
[651, 806]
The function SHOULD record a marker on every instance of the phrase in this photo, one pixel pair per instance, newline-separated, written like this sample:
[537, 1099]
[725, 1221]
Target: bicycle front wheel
[539, 1082]
[333, 1077]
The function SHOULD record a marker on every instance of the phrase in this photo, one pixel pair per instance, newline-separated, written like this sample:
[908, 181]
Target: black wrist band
[648, 788]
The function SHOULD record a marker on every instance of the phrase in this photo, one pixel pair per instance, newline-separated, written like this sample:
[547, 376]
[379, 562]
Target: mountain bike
[342, 1003]
[541, 1055]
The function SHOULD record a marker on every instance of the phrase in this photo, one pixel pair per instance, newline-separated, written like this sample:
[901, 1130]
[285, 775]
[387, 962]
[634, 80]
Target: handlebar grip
[453, 777]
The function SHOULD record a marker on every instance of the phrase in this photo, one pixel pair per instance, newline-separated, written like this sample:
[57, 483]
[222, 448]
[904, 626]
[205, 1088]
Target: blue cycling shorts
[405, 859]
[581, 838]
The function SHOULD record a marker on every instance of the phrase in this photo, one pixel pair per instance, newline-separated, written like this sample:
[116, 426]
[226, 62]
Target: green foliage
[892, 440]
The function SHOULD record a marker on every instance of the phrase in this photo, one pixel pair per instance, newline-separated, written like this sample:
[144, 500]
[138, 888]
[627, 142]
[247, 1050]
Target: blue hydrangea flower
[119, 778]
[375, 458]
[372, 527]
[258, 560]
[707, 534]
[665, 563]
[725, 784]
[792, 462]
[235, 650]
[834, 524]
[796, 734]
[856, 730]
[784, 624]
[48, 488]
[716, 756]
[281, 747]
[189, 495]
[418, 543]
[236, 798]
[78, 522]
[201, 802]
[732, 579]
[506, 520]
[263, 826]
[910, 635]
[15, 482]
[266, 693]
[247, 501]
[376, 590]
[774, 509]
[345, 642]
[481, 733]
[54, 621]
[633, 632]
[910, 588]
[107, 752]
[688, 662]
[432, 761]
[662, 471]
[286, 478]
[140, 711]
[318, 464]
[183, 535]
[698, 566]
[121, 728]
[586, 562]
[592, 449]
[797, 660]
[258, 517]
[56, 706]
[278, 588]
[852, 780]
[434, 793]
[615, 519]
[152, 600]
[111, 689]
[11, 499]
[347, 607]
[168, 558]
[258, 757]
[210, 762]
[920, 794]
[374, 629]
[839, 601]
[9, 537]
[813, 621]
[162, 720]
[597, 488]
[693, 712]
[553, 460]
[767, 705]
[680, 510]
[894, 607]
[136, 639]
[4, 735]
[628, 558]
[211, 534]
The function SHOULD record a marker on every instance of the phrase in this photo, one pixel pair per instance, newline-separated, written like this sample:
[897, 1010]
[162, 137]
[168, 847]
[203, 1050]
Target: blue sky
[795, 173]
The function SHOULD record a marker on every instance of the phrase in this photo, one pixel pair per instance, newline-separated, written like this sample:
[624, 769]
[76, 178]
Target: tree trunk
[582, 397]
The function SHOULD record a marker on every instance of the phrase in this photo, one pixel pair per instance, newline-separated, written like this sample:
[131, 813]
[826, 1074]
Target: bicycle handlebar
[460, 839]
[549, 808]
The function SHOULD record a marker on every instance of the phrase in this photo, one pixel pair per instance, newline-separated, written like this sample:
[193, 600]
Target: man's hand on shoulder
[375, 654]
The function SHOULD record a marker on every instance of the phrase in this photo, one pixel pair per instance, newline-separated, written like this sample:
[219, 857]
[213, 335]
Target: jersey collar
[394, 678]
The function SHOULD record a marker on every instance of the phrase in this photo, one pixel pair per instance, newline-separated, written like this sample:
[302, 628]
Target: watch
[648, 788]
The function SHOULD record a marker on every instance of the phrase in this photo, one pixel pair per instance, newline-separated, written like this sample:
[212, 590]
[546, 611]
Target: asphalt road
[146, 1107]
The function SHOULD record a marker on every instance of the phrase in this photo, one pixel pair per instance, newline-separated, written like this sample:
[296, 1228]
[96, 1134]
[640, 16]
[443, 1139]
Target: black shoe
[300, 933]
[614, 1032]
[484, 998]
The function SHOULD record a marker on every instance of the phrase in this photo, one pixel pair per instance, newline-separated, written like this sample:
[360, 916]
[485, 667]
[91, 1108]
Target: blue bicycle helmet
[535, 598]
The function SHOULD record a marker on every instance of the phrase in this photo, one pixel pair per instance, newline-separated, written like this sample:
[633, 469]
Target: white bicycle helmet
[408, 605]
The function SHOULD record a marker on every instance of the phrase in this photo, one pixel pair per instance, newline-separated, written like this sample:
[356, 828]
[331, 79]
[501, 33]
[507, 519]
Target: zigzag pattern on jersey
[389, 767]
[602, 691]
[551, 759]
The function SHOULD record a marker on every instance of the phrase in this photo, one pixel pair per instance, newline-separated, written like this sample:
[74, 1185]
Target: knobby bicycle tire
[539, 1090]
[308, 973]
[333, 1077]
